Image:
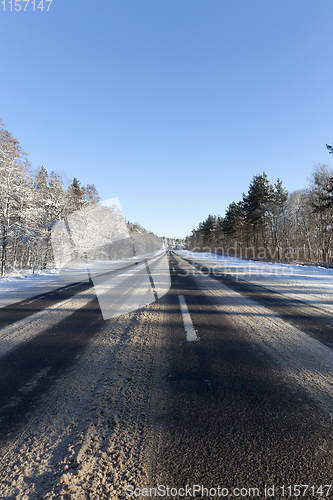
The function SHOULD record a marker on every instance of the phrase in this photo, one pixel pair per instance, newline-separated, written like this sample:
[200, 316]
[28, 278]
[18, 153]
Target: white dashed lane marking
[190, 332]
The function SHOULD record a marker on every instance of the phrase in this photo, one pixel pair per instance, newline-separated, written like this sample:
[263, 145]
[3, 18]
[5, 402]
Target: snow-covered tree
[30, 205]
[15, 188]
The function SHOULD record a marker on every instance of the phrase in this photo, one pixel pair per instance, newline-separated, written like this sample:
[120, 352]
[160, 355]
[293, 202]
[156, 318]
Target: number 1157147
[11, 5]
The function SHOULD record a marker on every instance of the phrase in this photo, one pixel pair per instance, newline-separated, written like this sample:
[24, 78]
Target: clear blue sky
[171, 105]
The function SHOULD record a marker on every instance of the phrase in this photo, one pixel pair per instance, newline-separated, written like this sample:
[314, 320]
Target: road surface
[235, 401]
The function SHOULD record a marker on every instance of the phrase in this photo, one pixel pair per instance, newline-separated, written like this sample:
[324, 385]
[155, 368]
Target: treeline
[30, 205]
[32, 202]
[273, 225]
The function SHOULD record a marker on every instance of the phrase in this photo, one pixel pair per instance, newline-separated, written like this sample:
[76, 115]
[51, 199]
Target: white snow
[16, 288]
[310, 284]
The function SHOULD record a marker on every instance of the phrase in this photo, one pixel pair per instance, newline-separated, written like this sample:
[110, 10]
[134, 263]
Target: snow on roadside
[16, 288]
[89, 437]
[310, 284]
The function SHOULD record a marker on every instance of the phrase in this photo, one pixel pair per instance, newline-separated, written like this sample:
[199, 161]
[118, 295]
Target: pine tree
[324, 199]
[255, 203]
[77, 195]
[234, 219]
[207, 228]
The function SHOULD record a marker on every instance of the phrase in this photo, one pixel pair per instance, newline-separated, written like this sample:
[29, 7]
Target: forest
[270, 224]
[31, 203]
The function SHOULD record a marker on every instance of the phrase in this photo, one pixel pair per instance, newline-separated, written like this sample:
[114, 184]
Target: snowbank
[310, 284]
[16, 288]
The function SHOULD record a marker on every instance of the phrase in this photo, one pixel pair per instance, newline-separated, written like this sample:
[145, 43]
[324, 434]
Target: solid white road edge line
[190, 332]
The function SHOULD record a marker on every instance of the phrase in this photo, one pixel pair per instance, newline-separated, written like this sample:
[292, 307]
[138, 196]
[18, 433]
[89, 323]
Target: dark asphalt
[227, 414]
[52, 351]
[19, 310]
[311, 320]
[48, 354]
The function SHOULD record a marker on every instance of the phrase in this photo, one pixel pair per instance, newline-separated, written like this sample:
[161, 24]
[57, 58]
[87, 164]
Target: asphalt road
[228, 416]
[31, 369]
[42, 359]
[222, 412]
